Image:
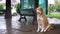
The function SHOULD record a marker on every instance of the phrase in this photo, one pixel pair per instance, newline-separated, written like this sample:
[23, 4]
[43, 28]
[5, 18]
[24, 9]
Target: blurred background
[51, 7]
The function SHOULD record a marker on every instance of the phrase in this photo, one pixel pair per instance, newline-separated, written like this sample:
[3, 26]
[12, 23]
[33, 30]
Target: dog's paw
[44, 30]
[41, 31]
[37, 31]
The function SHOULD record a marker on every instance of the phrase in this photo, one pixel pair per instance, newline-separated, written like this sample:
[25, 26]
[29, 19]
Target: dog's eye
[38, 9]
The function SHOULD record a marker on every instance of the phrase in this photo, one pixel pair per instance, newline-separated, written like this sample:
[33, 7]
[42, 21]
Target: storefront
[32, 4]
[27, 5]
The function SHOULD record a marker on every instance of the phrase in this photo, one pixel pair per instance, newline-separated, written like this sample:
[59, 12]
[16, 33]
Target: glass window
[2, 7]
[2, 4]
[27, 4]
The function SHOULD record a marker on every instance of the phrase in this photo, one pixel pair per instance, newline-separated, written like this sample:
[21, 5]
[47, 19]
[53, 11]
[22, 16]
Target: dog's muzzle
[38, 13]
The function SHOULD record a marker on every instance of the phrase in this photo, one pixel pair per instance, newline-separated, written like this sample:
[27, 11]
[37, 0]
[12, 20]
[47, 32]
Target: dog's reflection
[8, 26]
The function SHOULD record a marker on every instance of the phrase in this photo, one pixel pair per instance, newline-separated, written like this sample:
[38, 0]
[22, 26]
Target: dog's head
[39, 10]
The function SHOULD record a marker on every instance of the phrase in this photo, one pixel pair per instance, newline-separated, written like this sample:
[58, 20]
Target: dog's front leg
[42, 29]
[39, 27]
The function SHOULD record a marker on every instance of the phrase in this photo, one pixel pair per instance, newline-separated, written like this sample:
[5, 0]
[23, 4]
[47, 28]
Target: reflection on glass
[2, 7]
[2, 4]
[8, 26]
[27, 4]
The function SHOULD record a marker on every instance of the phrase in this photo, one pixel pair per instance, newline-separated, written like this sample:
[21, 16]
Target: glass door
[26, 7]
[27, 4]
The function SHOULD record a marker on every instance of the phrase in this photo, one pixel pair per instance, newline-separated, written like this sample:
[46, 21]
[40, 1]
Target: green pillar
[42, 3]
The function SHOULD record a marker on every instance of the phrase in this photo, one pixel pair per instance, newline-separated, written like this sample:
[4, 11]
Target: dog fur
[43, 24]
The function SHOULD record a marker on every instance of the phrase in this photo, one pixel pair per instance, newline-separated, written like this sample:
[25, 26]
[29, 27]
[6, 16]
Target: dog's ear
[41, 9]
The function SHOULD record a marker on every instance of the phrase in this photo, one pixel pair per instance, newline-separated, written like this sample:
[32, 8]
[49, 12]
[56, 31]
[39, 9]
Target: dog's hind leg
[47, 28]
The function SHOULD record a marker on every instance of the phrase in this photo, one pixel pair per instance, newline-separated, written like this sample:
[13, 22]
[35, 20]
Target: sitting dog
[43, 24]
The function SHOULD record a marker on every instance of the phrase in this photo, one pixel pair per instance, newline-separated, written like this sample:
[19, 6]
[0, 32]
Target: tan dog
[42, 21]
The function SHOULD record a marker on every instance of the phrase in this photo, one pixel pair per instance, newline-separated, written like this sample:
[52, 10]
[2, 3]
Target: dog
[42, 21]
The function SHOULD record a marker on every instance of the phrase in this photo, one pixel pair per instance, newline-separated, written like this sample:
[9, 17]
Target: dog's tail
[48, 27]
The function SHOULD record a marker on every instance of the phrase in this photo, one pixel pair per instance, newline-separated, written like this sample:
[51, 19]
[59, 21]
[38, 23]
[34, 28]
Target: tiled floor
[13, 26]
